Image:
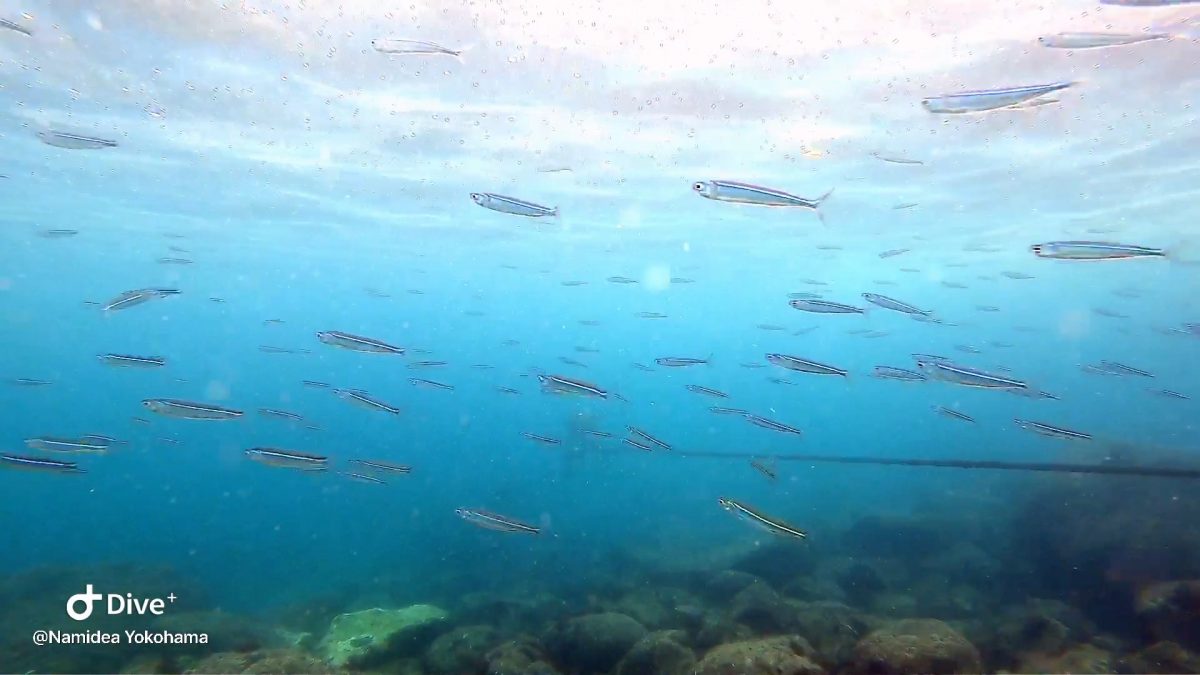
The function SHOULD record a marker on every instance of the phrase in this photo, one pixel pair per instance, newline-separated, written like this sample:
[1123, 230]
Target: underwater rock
[915, 647]
[718, 629]
[860, 583]
[1171, 611]
[226, 632]
[1161, 657]
[593, 643]
[660, 653]
[264, 662]
[896, 605]
[1045, 626]
[808, 588]
[935, 598]
[461, 650]
[645, 607]
[1081, 659]
[358, 639]
[728, 583]
[831, 628]
[781, 655]
[522, 656]
[761, 608]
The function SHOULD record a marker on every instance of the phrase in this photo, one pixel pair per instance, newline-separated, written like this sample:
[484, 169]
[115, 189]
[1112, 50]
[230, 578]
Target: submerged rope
[1049, 467]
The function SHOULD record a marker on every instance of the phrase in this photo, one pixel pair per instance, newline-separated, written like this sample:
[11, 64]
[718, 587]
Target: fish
[385, 467]
[1111, 314]
[1052, 431]
[1167, 393]
[987, 308]
[586, 350]
[969, 377]
[513, 206]
[803, 365]
[416, 365]
[365, 400]
[772, 425]
[572, 362]
[953, 414]
[559, 384]
[269, 349]
[953, 284]
[429, 384]
[313, 384]
[758, 518]
[1017, 275]
[682, 280]
[697, 389]
[51, 444]
[541, 439]
[412, 47]
[496, 522]
[1122, 369]
[597, 434]
[175, 261]
[16, 27]
[968, 349]
[804, 331]
[573, 283]
[288, 459]
[897, 160]
[102, 439]
[717, 410]
[905, 205]
[764, 469]
[823, 306]
[128, 361]
[753, 365]
[136, 297]
[647, 437]
[1094, 251]
[190, 410]
[621, 280]
[482, 366]
[57, 233]
[651, 315]
[376, 293]
[268, 322]
[37, 464]
[280, 414]
[990, 99]
[507, 390]
[362, 478]
[680, 361]
[770, 326]
[357, 342]
[901, 374]
[637, 444]
[893, 304]
[643, 367]
[70, 141]
[586, 322]
[804, 295]
[1097, 40]
[744, 193]
[891, 253]
[813, 282]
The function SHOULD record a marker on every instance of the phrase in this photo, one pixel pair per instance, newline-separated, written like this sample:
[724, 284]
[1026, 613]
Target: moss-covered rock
[1078, 660]
[593, 643]
[523, 656]
[660, 653]
[1161, 657]
[1171, 611]
[915, 647]
[761, 608]
[359, 639]
[461, 650]
[272, 661]
[781, 655]
[718, 629]
[831, 628]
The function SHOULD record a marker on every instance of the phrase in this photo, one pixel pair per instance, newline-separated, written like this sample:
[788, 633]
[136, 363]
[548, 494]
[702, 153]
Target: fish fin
[458, 53]
[817, 205]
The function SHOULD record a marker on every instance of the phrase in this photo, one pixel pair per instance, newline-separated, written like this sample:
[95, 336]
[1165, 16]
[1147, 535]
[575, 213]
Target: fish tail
[817, 205]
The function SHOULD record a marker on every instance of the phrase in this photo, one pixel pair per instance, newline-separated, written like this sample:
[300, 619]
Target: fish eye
[697, 186]
[476, 196]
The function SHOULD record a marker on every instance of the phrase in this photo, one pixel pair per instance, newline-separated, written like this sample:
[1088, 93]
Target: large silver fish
[512, 205]
[744, 193]
[190, 410]
[357, 343]
[1097, 40]
[412, 47]
[991, 99]
[70, 141]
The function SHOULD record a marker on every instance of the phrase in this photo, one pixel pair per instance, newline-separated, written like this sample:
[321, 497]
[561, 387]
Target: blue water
[298, 168]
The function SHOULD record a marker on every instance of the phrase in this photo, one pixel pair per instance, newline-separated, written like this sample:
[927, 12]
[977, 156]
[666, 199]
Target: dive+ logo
[114, 604]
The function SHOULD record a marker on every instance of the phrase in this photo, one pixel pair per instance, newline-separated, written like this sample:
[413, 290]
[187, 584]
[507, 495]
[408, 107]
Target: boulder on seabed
[461, 650]
[761, 608]
[659, 653]
[1171, 611]
[1161, 657]
[358, 639]
[594, 643]
[780, 655]
[915, 647]
[523, 656]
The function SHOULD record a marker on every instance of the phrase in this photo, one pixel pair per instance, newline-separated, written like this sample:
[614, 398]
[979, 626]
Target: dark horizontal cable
[1051, 467]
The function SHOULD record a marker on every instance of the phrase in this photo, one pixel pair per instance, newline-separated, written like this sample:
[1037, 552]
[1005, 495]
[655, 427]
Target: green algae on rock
[781, 655]
[360, 638]
[915, 647]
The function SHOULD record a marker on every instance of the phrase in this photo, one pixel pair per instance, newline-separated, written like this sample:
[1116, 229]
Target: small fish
[313, 384]
[174, 261]
[647, 437]
[411, 47]
[743, 193]
[573, 283]
[140, 420]
[1111, 314]
[804, 331]
[901, 374]
[597, 434]
[682, 280]
[651, 315]
[765, 470]
[587, 350]
[953, 284]
[1017, 275]
[57, 234]
[429, 384]
[362, 478]
[752, 515]
[384, 467]
[178, 249]
[893, 304]
[572, 362]
[559, 384]
[772, 425]
[897, 160]
[482, 366]
[5, 23]
[1122, 369]
[357, 342]
[376, 293]
[870, 335]
[968, 349]
[823, 307]
[268, 349]
[679, 361]
[891, 253]
[269, 322]
[969, 377]
[190, 410]
[953, 414]
[280, 414]
[1000, 345]
[804, 295]
[169, 441]
[136, 297]
[496, 522]
[1052, 431]
[541, 439]
[990, 99]
[637, 444]
[588, 322]
[364, 400]
[38, 464]
[512, 205]
[1167, 393]
[63, 139]
[417, 365]
[621, 280]
[697, 389]
[910, 270]
[101, 439]
[288, 459]
[770, 326]
[1097, 40]
[507, 390]
[752, 365]
[987, 308]
[803, 365]
[1093, 251]
[643, 367]
[128, 361]
[906, 205]
[780, 380]
[813, 282]
[717, 410]
[50, 444]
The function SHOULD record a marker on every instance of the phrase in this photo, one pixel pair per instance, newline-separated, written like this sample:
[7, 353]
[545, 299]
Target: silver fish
[362, 478]
[759, 519]
[1093, 250]
[189, 410]
[51, 444]
[989, 99]
[679, 361]
[385, 467]
[541, 439]
[559, 384]
[63, 139]
[136, 297]
[968, 377]
[57, 233]
[1095, 40]
[647, 437]
[1122, 369]
[288, 459]
[128, 361]
[280, 414]
[823, 306]
[5, 23]
[638, 444]
[494, 521]
[365, 400]
[413, 47]
[803, 365]
[772, 425]
[512, 205]
[893, 304]
[707, 391]
[902, 374]
[953, 414]
[1052, 431]
[744, 193]
[716, 410]
[429, 384]
[37, 464]
[357, 342]
[1167, 393]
